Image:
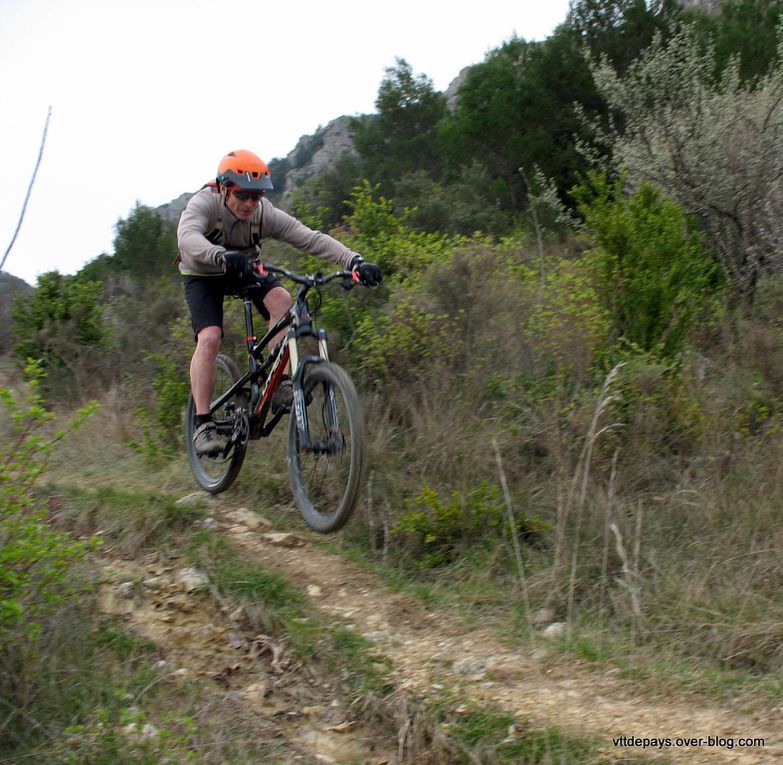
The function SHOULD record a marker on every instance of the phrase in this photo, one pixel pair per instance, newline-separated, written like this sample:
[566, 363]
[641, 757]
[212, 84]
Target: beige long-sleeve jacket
[207, 228]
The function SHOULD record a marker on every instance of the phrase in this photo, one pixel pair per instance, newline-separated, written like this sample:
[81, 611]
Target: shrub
[567, 325]
[161, 424]
[36, 561]
[386, 238]
[34, 558]
[713, 145]
[397, 345]
[61, 325]
[437, 530]
[649, 269]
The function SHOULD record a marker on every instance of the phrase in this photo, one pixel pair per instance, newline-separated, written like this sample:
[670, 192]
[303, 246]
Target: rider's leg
[204, 296]
[203, 369]
[277, 301]
[203, 372]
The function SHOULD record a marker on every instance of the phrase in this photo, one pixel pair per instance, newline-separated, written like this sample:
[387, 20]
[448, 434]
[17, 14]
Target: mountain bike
[326, 454]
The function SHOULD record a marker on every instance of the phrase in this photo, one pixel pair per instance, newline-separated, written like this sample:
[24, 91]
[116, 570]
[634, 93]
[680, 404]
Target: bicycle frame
[326, 452]
[264, 375]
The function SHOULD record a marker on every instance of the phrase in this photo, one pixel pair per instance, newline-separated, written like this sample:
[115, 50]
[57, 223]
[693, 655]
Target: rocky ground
[204, 640]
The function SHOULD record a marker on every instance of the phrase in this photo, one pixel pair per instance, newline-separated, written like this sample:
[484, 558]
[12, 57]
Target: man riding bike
[219, 236]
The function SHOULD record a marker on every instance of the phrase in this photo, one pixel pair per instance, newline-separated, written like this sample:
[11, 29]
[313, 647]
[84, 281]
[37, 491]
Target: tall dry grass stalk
[630, 580]
[607, 522]
[369, 507]
[515, 539]
[572, 509]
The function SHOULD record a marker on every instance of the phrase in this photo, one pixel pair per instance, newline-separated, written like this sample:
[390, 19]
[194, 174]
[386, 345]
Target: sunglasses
[244, 196]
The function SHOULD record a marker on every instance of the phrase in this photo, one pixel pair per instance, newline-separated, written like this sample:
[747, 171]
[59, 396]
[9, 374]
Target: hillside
[312, 155]
[415, 636]
[567, 542]
[431, 655]
[10, 288]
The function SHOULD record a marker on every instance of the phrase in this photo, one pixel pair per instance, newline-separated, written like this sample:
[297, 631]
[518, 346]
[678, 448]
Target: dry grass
[662, 485]
[658, 491]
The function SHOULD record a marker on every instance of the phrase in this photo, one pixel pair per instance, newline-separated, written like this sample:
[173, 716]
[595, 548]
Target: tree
[516, 109]
[61, 325]
[620, 29]
[145, 246]
[716, 147]
[401, 137]
[746, 29]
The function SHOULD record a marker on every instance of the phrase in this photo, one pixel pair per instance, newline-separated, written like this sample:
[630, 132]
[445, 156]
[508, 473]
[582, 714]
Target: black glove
[369, 274]
[236, 264]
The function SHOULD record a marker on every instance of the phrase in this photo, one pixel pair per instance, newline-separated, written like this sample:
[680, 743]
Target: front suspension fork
[298, 370]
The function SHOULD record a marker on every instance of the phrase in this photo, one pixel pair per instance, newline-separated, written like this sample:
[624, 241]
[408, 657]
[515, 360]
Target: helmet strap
[223, 190]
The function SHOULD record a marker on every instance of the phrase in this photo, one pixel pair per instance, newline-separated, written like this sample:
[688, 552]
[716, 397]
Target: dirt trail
[431, 652]
[202, 641]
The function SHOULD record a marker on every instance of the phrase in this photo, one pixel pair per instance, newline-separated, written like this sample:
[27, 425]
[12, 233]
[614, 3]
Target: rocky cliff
[312, 155]
[10, 287]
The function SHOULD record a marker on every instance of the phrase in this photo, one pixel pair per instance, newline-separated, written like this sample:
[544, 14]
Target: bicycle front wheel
[216, 474]
[326, 461]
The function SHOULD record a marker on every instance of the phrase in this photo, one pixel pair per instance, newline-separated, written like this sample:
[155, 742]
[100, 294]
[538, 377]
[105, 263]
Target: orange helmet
[244, 169]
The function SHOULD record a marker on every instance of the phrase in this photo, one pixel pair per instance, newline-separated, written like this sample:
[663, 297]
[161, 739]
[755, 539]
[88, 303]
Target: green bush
[35, 559]
[649, 269]
[361, 319]
[61, 325]
[438, 530]
[567, 325]
[385, 238]
[398, 344]
[161, 423]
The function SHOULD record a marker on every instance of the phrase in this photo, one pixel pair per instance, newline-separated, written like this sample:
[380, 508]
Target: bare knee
[208, 340]
[277, 302]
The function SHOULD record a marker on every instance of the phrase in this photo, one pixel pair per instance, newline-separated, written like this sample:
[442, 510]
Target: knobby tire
[326, 485]
[215, 475]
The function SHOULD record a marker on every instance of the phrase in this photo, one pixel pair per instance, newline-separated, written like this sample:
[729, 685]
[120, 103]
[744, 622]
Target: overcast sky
[147, 95]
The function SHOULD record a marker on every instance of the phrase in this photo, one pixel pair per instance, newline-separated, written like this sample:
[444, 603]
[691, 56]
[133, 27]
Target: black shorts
[204, 296]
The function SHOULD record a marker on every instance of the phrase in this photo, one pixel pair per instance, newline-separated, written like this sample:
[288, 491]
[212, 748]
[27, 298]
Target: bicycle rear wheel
[327, 477]
[216, 474]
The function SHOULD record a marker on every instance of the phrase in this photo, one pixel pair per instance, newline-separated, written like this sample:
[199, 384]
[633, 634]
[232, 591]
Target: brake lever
[351, 281]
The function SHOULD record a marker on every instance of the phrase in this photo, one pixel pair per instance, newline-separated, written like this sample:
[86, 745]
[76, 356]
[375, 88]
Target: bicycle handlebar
[310, 280]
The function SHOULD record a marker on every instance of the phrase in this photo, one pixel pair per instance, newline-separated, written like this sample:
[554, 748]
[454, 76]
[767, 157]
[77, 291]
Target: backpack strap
[216, 234]
[255, 228]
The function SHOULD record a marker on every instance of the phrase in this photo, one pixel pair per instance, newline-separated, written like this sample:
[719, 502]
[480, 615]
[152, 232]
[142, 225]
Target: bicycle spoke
[216, 474]
[326, 473]
[326, 464]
